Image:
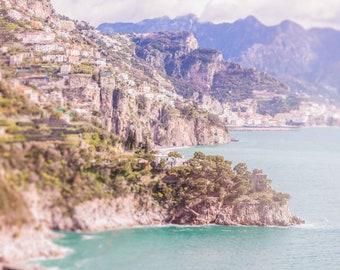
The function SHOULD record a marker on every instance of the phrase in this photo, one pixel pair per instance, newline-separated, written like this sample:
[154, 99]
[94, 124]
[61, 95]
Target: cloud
[96, 12]
[308, 13]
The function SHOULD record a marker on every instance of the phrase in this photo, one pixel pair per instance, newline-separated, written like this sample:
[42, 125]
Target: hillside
[80, 117]
[60, 62]
[306, 60]
[239, 96]
[202, 71]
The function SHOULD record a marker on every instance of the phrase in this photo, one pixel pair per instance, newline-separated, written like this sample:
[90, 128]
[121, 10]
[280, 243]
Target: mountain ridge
[306, 60]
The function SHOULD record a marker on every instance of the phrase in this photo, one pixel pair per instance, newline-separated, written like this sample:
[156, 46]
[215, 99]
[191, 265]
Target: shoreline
[264, 128]
[136, 225]
[162, 149]
[34, 264]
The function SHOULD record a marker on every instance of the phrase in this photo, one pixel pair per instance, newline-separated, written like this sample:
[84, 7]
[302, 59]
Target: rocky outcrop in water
[104, 214]
[245, 213]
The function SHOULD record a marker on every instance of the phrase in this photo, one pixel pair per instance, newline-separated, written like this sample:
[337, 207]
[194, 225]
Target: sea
[303, 162]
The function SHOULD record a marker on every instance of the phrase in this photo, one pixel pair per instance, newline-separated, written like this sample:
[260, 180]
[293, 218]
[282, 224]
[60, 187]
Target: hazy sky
[308, 13]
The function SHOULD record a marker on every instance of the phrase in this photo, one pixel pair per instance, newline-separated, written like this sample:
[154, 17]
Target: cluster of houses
[45, 45]
[243, 114]
[169, 161]
[152, 93]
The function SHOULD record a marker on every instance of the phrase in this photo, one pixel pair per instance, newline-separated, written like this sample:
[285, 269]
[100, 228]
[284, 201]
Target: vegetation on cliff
[204, 181]
[82, 161]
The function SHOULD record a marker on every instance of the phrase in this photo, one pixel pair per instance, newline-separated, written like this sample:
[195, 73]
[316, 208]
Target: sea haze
[304, 163]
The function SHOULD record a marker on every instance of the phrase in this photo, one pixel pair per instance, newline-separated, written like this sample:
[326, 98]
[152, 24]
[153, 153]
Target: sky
[307, 13]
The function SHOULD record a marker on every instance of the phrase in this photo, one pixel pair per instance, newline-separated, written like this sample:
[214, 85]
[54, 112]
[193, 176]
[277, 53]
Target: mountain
[307, 60]
[238, 95]
[200, 71]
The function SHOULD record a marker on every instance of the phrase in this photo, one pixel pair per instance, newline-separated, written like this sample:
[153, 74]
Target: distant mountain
[307, 60]
[200, 70]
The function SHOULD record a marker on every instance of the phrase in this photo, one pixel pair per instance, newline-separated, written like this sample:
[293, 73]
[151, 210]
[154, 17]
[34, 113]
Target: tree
[147, 147]
[175, 154]
[131, 140]
[241, 170]
[162, 164]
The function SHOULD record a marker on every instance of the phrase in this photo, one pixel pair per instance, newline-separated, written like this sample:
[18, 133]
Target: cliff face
[83, 185]
[248, 214]
[103, 214]
[93, 215]
[160, 48]
[38, 9]
[90, 216]
[162, 124]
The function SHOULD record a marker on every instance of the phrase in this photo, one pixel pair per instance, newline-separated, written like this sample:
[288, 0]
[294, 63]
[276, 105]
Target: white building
[36, 37]
[124, 76]
[59, 58]
[100, 62]
[4, 50]
[45, 48]
[15, 60]
[65, 69]
[14, 14]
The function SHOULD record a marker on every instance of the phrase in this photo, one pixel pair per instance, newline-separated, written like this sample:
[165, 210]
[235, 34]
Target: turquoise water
[304, 163]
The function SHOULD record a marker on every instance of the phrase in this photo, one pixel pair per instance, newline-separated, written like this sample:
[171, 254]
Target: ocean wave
[89, 237]
[324, 223]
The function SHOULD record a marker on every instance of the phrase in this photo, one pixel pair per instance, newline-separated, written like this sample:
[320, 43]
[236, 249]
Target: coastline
[34, 264]
[262, 128]
[101, 219]
[166, 149]
[96, 216]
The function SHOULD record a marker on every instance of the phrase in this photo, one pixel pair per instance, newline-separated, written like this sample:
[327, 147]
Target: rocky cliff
[245, 213]
[37, 9]
[163, 124]
[104, 214]
[93, 215]
[84, 185]
[203, 76]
